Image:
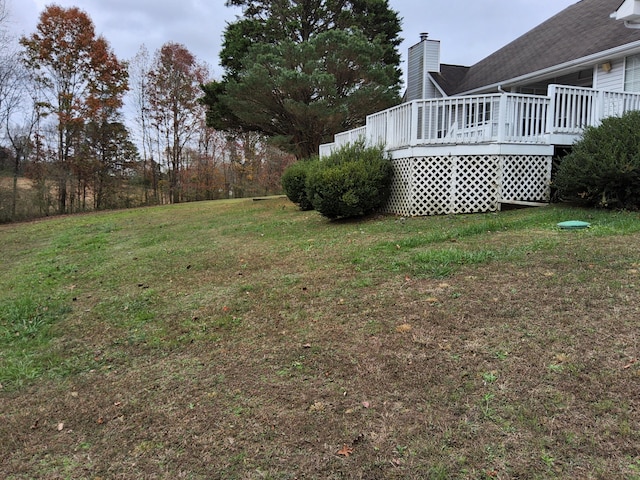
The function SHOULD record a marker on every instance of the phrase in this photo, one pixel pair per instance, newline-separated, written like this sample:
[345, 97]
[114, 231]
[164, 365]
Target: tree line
[295, 73]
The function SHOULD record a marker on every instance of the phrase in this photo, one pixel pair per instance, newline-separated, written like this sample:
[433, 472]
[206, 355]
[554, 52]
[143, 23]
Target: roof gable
[449, 77]
[578, 31]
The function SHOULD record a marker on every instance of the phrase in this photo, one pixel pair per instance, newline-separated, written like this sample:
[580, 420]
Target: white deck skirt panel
[467, 183]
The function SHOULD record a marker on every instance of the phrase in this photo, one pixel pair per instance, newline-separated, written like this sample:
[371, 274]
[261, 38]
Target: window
[477, 113]
[632, 74]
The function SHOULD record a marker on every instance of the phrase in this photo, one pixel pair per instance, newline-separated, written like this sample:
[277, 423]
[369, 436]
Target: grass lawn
[249, 340]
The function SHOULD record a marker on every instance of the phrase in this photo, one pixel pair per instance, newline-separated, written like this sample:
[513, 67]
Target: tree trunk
[14, 199]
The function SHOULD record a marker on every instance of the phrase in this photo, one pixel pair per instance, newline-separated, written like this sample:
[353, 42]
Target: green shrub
[603, 168]
[352, 182]
[294, 183]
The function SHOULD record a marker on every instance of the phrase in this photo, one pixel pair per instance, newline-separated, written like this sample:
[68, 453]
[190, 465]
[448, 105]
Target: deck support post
[413, 124]
[599, 108]
[551, 93]
[502, 118]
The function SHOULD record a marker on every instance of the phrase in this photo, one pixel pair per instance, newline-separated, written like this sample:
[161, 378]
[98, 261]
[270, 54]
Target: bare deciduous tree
[175, 81]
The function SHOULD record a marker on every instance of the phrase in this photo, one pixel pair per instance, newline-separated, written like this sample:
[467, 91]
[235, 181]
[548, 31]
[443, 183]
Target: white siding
[431, 90]
[612, 80]
[415, 72]
[423, 57]
[432, 55]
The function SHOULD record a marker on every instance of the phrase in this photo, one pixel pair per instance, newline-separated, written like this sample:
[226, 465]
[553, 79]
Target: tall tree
[13, 89]
[7, 65]
[139, 69]
[269, 21]
[174, 85]
[19, 122]
[303, 70]
[105, 135]
[79, 76]
[113, 156]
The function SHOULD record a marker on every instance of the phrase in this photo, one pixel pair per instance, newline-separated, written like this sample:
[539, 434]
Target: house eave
[590, 60]
[629, 12]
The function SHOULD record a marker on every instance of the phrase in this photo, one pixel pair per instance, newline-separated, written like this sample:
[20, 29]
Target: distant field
[28, 203]
[6, 183]
[245, 339]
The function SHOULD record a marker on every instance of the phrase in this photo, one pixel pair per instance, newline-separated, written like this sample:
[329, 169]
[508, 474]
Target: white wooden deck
[474, 153]
[499, 119]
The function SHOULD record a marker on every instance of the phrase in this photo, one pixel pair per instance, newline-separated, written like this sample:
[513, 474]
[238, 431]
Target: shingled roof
[578, 31]
[449, 77]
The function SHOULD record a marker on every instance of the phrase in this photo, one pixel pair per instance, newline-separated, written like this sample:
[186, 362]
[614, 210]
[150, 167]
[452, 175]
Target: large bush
[294, 183]
[603, 168]
[353, 181]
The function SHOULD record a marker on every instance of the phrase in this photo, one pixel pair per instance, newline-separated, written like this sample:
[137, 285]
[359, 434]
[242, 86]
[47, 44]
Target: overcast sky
[468, 30]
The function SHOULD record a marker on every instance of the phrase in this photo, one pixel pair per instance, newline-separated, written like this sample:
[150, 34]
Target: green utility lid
[573, 225]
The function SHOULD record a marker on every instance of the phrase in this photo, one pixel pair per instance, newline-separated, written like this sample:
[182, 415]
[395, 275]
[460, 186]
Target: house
[469, 139]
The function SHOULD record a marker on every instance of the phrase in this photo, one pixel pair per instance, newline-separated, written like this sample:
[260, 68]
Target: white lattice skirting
[467, 183]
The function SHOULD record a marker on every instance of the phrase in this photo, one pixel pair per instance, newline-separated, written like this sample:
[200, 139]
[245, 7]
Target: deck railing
[524, 118]
[352, 135]
[495, 118]
[574, 108]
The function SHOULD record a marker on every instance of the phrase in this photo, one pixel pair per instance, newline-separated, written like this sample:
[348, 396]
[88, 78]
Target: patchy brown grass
[271, 356]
